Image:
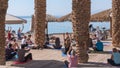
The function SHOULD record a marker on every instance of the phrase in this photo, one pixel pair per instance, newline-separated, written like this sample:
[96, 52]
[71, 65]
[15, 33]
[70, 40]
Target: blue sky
[54, 7]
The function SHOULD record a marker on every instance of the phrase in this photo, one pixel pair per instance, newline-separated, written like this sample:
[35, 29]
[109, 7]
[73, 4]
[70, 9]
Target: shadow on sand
[58, 64]
[41, 64]
[101, 52]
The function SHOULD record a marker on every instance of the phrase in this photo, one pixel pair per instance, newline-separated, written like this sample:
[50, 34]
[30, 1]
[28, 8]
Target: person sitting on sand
[9, 52]
[67, 42]
[24, 40]
[72, 59]
[15, 45]
[99, 46]
[115, 58]
[57, 43]
[22, 52]
[29, 42]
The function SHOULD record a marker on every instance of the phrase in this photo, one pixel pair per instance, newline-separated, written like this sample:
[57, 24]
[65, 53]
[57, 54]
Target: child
[72, 59]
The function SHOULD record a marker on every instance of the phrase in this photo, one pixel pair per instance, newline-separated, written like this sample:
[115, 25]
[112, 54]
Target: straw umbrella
[3, 10]
[40, 19]
[103, 16]
[65, 18]
[98, 17]
[50, 18]
[80, 20]
[116, 23]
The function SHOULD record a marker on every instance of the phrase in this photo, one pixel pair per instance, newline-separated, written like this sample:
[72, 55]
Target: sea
[54, 27]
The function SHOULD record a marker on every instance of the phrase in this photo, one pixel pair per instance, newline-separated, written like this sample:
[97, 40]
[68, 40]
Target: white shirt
[23, 41]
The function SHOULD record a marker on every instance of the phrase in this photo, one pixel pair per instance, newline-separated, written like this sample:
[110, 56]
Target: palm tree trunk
[80, 20]
[3, 9]
[40, 19]
[116, 23]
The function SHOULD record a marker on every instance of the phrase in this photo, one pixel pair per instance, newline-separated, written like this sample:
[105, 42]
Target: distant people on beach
[9, 35]
[115, 58]
[98, 33]
[19, 33]
[104, 34]
[67, 42]
[99, 46]
[91, 28]
[22, 52]
[101, 34]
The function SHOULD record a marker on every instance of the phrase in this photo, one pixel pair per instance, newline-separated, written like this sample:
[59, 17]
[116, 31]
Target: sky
[54, 7]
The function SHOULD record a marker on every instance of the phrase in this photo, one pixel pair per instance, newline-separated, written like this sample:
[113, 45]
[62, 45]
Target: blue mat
[63, 55]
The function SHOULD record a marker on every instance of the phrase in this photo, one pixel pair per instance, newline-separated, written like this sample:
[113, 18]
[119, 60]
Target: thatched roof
[101, 16]
[65, 18]
[50, 18]
[98, 17]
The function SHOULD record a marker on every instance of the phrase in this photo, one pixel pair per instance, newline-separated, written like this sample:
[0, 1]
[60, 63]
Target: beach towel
[17, 62]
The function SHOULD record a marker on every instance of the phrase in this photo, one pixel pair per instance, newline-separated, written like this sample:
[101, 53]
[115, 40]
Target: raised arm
[10, 29]
[70, 49]
[22, 28]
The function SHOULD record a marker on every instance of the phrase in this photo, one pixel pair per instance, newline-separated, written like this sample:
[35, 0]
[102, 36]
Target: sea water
[54, 27]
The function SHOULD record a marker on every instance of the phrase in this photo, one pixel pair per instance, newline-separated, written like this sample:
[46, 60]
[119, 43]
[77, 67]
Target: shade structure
[65, 18]
[50, 18]
[103, 16]
[11, 19]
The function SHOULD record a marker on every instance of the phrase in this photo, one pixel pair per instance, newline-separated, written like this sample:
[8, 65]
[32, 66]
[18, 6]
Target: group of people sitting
[18, 51]
[69, 48]
[70, 51]
[72, 57]
[102, 34]
[95, 43]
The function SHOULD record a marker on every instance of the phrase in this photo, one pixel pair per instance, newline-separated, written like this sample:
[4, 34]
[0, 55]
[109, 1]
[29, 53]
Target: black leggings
[110, 61]
[28, 57]
[10, 56]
